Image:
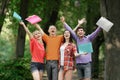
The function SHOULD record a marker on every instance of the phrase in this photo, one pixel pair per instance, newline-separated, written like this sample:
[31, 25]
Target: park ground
[74, 76]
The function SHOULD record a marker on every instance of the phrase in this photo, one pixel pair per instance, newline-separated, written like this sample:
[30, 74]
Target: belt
[52, 60]
[83, 63]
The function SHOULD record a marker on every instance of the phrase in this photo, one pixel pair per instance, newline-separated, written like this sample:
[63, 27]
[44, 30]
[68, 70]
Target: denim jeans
[84, 70]
[36, 66]
[52, 69]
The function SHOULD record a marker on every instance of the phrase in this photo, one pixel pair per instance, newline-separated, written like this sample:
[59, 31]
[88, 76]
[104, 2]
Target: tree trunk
[21, 32]
[51, 13]
[111, 10]
[2, 12]
[96, 45]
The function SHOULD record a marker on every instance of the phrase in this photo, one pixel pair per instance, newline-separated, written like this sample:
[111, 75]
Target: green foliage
[72, 12]
[19, 69]
[11, 68]
[16, 69]
[7, 41]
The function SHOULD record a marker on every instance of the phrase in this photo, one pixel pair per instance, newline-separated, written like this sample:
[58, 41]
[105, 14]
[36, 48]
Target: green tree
[21, 32]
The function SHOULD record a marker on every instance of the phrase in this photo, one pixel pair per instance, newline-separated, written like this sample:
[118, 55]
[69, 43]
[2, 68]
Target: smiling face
[37, 35]
[52, 30]
[80, 32]
[66, 34]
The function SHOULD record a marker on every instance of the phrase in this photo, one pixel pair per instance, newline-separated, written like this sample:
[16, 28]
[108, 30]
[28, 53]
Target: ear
[84, 32]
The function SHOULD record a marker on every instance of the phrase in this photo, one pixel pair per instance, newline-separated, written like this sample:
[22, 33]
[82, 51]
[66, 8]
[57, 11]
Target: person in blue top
[83, 62]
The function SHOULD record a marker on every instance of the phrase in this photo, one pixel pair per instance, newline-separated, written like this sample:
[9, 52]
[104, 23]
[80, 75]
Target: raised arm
[80, 22]
[39, 28]
[67, 27]
[26, 29]
[94, 34]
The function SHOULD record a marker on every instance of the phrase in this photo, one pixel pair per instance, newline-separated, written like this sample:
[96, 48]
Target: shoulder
[60, 36]
[32, 39]
[45, 35]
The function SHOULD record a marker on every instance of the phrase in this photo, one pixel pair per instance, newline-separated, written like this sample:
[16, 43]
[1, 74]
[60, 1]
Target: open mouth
[66, 36]
[52, 31]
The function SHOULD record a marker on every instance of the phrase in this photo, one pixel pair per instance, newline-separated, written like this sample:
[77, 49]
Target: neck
[52, 35]
[81, 37]
[67, 41]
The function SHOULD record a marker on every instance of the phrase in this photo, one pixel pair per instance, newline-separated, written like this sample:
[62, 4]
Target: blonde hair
[35, 32]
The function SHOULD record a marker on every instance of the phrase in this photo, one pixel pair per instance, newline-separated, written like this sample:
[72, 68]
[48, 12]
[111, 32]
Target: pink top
[37, 51]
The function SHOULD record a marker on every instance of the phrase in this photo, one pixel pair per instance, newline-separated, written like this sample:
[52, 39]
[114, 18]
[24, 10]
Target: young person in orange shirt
[53, 42]
[37, 53]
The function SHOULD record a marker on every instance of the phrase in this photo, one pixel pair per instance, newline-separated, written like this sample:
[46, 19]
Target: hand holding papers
[85, 48]
[17, 16]
[33, 19]
[104, 24]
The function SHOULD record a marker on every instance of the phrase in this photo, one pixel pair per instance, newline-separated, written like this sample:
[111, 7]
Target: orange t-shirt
[52, 46]
[37, 51]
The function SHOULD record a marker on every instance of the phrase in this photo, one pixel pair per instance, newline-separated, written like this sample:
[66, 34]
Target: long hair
[71, 38]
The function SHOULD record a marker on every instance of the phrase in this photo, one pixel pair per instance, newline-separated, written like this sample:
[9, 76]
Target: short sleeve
[74, 48]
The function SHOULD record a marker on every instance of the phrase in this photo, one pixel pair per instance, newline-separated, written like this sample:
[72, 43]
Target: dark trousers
[52, 69]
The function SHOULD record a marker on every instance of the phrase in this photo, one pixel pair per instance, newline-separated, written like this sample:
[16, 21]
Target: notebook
[85, 48]
[33, 19]
[17, 16]
[104, 23]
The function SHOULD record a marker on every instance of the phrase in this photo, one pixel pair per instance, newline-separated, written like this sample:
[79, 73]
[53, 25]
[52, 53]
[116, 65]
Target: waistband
[52, 60]
[83, 63]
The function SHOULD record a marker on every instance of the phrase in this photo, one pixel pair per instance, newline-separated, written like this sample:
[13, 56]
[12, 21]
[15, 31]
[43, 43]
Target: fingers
[62, 19]
[83, 20]
[22, 23]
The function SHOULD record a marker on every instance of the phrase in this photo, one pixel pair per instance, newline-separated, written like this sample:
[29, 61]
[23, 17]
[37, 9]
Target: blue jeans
[84, 70]
[52, 69]
[36, 66]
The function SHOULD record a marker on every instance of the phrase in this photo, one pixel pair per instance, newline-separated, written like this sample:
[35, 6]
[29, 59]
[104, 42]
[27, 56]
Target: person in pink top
[37, 52]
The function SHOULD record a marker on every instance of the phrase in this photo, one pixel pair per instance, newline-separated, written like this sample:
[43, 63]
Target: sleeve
[61, 36]
[93, 35]
[45, 37]
[74, 48]
[67, 27]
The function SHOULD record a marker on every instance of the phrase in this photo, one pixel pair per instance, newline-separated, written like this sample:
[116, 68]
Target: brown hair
[71, 38]
[78, 29]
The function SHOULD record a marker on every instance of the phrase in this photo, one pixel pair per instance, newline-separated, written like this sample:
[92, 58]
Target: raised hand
[83, 20]
[62, 19]
[22, 23]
